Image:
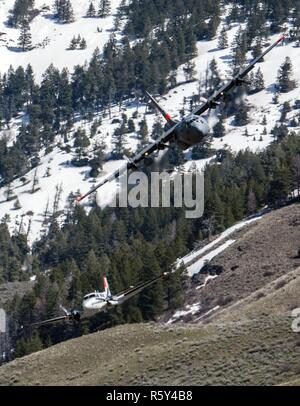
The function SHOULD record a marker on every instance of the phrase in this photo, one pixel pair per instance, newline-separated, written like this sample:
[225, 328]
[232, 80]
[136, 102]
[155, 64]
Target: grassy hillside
[262, 253]
[248, 341]
[262, 351]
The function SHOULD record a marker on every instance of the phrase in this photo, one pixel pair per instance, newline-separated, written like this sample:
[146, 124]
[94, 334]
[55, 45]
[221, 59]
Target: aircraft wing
[237, 80]
[50, 321]
[133, 162]
[127, 294]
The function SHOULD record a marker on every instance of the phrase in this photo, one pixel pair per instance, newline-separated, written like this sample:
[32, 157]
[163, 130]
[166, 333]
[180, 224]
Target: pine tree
[104, 8]
[175, 288]
[285, 109]
[144, 133]
[35, 182]
[64, 11]
[131, 126]
[73, 43]
[219, 129]
[83, 44]
[257, 81]
[24, 40]
[285, 82]
[81, 143]
[251, 202]
[118, 145]
[257, 50]
[21, 11]
[8, 192]
[279, 186]
[223, 39]
[17, 205]
[213, 76]
[189, 70]
[91, 12]
[275, 99]
[241, 114]
[98, 159]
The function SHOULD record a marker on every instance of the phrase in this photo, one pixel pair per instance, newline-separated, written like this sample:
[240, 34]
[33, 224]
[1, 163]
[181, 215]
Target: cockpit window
[89, 296]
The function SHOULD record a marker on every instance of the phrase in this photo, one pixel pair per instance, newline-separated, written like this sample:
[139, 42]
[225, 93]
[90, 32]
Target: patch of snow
[209, 311]
[198, 265]
[56, 36]
[208, 278]
[197, 253]
[190, 309]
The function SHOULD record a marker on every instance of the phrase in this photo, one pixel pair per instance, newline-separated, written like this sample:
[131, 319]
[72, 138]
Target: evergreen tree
[189, 70]
[150, 300]
[98, 159]
[285, 82]
[251, 202]
[219, 129]
[285, 109]
[279, 187]
[223, 39]
[24, 40]
[175, 295]
[143, 133]
[64, 11]
[213, 76]
[257, 50]
[21, 12]
[104, 8]
[73, 43]
[241, 116]
[81, 142]
[257, 81]
[28, 346]
[118, 145]
[17, 205]
[83, 44]
[91, 12]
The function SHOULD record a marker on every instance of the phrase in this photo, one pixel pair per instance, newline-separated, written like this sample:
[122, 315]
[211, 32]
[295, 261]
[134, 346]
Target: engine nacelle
[191, 131]
[75, 315]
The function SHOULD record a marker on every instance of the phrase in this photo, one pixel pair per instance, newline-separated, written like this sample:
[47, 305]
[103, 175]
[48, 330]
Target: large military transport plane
[191, 130]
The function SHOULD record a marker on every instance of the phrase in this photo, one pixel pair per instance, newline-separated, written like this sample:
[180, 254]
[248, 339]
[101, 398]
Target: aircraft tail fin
[106, 287]
[166, 115]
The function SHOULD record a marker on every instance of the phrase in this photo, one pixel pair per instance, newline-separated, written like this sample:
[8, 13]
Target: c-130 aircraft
[191, 130]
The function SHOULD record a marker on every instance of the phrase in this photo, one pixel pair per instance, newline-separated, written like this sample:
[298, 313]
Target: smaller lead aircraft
[98, 302]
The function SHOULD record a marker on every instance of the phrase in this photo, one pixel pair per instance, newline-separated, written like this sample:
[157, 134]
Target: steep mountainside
[258, 255]
[73, 109]
[246, 341]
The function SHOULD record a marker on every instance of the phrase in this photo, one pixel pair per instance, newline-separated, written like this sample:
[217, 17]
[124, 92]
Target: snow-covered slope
[55, 36]
[74, 179]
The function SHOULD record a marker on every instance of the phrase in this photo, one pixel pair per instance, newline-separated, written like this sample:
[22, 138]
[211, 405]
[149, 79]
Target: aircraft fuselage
[191, 131]
[94, 303]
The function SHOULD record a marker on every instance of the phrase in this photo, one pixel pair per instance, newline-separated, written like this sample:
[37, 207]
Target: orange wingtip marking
[78, 199]
[168, 117]
[281, 38]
